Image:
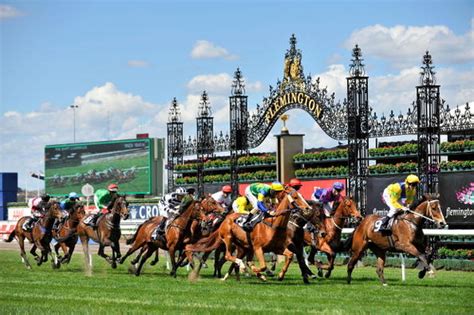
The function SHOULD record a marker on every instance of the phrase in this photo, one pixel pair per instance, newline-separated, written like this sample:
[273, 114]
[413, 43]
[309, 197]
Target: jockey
[104, 201]
[172, 200]
[66, 206]
[399, 196]
[185, 202]
[242, 205]
[222, 197]
[38, 208]
[328, 197]
[295, 183]
[258, 194]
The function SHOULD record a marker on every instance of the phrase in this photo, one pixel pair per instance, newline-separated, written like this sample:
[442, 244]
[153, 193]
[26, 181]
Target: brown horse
[331, 243]
[407, 236]
[40, 235]
[107, 233]
[270, 235]
[66, 235]
[297, 235]
[178, 230]
[144, 231]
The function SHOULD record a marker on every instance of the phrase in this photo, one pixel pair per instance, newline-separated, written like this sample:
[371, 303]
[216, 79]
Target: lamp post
[74, 120]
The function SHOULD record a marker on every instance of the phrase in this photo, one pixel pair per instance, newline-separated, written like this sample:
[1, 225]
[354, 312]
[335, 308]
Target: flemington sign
[301, 98]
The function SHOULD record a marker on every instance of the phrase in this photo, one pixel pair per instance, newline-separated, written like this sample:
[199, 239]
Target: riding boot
[247, 225]
[161, 228]
[384, 224]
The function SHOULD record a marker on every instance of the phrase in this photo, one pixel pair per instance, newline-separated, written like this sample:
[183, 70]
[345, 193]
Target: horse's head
[292, 199]
[78, 211]
[121, 207]
[348, 208]
[431, 208]
[54, 210]
[198, 212]
[209, 204]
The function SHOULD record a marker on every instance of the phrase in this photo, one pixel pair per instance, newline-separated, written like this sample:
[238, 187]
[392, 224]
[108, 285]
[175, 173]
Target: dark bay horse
[178, 230]
[40, 235]
[407, 236]
[331, 242]
[107, 233]
[66, 235]
[270, 235]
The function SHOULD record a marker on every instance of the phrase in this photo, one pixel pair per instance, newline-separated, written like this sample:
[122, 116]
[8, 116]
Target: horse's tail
[11, 236]
[134, 237]
[206, 244]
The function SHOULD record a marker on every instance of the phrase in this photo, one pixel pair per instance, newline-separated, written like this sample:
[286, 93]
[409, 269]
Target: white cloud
[220, 83]
[138, 64]
[8, 12]
[204, 49]
[405, 45]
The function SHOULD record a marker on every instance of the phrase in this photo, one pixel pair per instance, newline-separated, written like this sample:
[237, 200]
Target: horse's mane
[424, 198]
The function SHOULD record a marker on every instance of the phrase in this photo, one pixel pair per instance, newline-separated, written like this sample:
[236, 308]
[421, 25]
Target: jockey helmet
[112, 187]
[180, 190]
[45, 197]
[191, 190]
[227, 189]
[276, 186]
[295, 182]
[73, 195]
[412, 179]
[338, 186]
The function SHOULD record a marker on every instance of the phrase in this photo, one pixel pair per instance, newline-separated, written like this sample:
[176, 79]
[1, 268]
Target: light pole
[74, 119]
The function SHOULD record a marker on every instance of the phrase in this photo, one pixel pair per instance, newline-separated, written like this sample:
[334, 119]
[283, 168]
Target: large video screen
[125, 162]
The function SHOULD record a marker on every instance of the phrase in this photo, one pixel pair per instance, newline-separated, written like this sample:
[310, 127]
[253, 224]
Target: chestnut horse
[270, 235]
[145, 230]
[40, 235]
[178, 230]
[107, 233]
[331, 243]
[407, 236]
[66, 235]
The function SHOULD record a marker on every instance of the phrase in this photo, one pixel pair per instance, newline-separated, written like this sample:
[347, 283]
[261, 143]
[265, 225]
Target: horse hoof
[153, 263]
[114, 265]
[320, 273]
[385, 285]
[280, 278]
[327, 275]
[313, 276]
[263, 278]
[422, 274]
[305, 280]
[270, 273]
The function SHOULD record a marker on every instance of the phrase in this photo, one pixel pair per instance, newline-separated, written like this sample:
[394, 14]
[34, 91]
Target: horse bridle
[428, 205]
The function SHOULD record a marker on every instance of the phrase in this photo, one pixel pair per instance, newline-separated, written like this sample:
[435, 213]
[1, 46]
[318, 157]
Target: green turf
[68, 290]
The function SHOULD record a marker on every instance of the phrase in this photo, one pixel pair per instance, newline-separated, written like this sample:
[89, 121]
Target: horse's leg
[157, 258]
[331, 258]
[131, 250]
[24, 258]
[102, 253]
[380, 253]
[228, 253]
[358, 248]
[172, 255]
[148, 253]
[113, 259]
[288, 258]
[412, 250]
[33, 252]
[312, 261]
[262, 265]
[71, 245]
[87, 258]
[55, 263]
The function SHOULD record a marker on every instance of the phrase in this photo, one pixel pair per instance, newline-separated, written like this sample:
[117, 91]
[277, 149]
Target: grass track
[68, 290]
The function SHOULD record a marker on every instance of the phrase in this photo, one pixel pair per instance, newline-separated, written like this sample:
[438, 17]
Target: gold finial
[284, 118]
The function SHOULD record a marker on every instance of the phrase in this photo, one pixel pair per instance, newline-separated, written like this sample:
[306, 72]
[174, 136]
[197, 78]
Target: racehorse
[331, 243]
[40, 235]
[407, 236]
[107, 233]
[178, 230]
[296, 235]
[270, 235]
[66, 235]
[144, 231]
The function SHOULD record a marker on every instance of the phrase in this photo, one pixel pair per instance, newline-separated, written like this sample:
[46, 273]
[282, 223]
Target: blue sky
[126, 60]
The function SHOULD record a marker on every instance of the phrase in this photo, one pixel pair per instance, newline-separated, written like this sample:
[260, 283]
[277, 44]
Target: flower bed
[457, 146]
[225, 178]
[333, 171]
[321, 156]
[406, 149]
[408, 167]
[457, 165]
